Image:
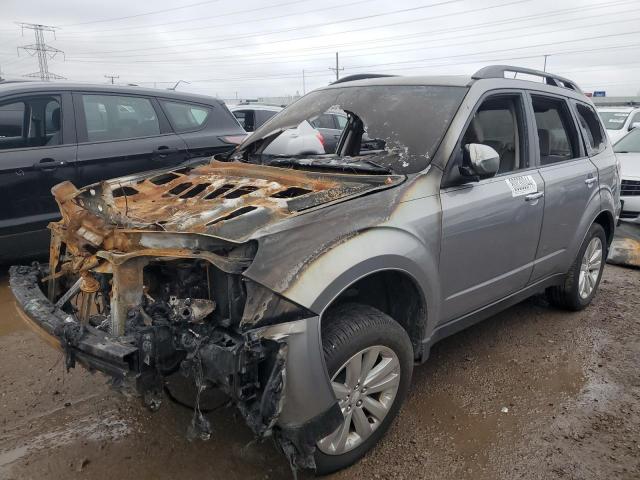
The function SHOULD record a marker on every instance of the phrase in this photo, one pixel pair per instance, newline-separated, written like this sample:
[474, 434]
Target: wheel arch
[394, 292]
[607, 221]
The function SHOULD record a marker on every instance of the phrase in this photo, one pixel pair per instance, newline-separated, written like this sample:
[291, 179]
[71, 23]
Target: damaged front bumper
[275, 374]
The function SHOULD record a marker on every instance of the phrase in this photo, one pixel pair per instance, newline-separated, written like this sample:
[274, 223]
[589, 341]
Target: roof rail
[361, 76]
[497, 71]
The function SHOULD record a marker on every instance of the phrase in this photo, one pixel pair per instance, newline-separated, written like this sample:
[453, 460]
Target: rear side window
[246, 118]
[31, 122]
[113, 117]
[185, 117]
[591, 128]
[557, 136]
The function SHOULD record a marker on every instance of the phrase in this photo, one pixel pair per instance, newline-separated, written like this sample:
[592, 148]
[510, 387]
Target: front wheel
[369, 359]
[582, 280]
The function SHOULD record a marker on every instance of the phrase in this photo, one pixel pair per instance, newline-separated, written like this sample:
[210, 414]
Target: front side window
[185, 117]
[498, 123]
[113, 117]
[557, 136]
[591, 128]
[31, 122]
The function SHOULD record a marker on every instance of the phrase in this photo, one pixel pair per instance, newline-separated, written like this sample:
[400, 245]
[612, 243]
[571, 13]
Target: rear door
[490, 228]
[121, 134]
[570, 184]
[37, 151]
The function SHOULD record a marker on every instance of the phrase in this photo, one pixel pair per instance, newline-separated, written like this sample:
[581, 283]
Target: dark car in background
[51, 132]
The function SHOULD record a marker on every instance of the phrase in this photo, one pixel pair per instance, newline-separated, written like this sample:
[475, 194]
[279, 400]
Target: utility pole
[544, 69]
[337, 67]
[178, 83]
[304, 86]
[41, 49]
[112, 77]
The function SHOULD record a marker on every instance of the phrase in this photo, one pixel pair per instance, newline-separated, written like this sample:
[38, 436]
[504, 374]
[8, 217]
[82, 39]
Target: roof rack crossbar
[498, 71]
[361, 76]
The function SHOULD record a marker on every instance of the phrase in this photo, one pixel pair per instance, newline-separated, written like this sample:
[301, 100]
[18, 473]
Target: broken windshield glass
[397, 126]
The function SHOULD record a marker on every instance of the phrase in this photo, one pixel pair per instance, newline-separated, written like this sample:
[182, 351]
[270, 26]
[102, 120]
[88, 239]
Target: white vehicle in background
[619, 120]
[627, 151]
[302, 140]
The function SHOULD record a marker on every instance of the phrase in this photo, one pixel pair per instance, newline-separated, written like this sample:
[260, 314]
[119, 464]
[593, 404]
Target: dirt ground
[532, 393]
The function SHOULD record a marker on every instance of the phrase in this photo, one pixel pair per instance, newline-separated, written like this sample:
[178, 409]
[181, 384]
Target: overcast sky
[260, 48]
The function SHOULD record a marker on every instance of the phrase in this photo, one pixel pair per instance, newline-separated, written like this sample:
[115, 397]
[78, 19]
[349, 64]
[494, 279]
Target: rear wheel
[582, 280]
[369, 359]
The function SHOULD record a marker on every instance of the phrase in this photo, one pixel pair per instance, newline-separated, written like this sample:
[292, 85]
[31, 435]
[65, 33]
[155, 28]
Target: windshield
[613, 120]
[630, 143]
[395, 127]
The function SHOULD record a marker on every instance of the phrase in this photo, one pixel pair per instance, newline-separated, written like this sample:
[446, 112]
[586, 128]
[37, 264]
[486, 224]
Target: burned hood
[229, 200]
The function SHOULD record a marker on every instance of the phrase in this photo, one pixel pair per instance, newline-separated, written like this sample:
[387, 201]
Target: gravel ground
[532, 393]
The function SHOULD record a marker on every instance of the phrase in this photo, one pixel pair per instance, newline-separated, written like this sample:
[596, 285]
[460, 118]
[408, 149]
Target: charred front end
[140, 302]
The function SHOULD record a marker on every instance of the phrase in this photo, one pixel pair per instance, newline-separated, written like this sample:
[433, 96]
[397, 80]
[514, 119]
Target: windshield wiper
[364, 165]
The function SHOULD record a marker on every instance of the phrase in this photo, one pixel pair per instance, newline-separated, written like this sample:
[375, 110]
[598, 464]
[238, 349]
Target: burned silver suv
[307, 287]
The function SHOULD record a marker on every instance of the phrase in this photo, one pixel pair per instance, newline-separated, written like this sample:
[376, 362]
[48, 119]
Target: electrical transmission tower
[42, 50]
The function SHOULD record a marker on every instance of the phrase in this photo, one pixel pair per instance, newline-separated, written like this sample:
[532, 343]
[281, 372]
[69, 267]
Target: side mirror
[634, 125]
[479, 161]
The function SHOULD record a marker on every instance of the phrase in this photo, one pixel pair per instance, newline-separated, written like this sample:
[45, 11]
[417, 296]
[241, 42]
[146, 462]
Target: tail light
[320, 138]
[233, 139]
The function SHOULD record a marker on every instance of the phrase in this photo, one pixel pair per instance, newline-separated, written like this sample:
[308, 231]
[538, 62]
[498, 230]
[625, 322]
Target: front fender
[375, 250]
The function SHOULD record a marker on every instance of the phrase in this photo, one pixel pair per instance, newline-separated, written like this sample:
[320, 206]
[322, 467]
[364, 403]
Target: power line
[403, 22]
[377, 51]
[219, 15]
[42, 50]
[302, 27]
[115, 19]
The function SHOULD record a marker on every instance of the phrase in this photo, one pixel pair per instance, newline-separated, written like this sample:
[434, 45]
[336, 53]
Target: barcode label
[522, 185]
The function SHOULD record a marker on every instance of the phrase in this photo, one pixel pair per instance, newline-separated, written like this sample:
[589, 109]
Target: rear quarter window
[186, 117]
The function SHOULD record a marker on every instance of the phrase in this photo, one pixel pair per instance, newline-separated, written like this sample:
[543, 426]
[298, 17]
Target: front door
[490, 228]
[37, 151]
[123, 134]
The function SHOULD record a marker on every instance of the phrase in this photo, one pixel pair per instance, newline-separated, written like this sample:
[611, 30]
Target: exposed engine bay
[141, 299]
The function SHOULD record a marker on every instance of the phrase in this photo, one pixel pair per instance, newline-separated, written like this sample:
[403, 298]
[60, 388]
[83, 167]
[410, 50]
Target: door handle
[590, 181]
[47, 165]
[534, 196]
[163, 151]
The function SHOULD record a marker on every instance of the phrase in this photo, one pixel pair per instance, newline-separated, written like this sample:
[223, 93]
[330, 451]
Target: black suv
[51, 132]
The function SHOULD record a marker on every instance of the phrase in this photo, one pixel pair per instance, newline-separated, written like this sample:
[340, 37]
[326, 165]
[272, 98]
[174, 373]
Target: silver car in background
[628, 152]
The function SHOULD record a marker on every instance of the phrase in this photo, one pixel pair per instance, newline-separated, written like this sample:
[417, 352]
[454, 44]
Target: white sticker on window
[522, 185]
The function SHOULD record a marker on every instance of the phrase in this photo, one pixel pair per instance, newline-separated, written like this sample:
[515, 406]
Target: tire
[568, 295]
[349, 330]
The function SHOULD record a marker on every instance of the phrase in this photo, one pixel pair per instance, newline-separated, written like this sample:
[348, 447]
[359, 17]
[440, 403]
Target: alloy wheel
[590, 267]
[365, 386]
